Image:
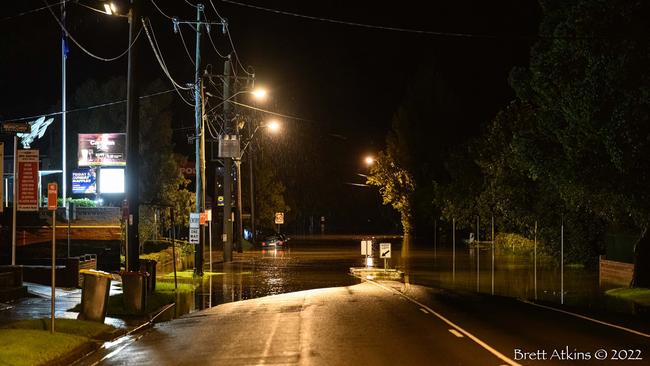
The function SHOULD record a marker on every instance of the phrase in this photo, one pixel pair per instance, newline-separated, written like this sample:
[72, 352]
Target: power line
[161, 62]
[82, 47]
[398, 29]
[160, 10]
[27, 12]
[86, 108]
[270, 112]
[190, 4]
[232, 44]
[187, 51]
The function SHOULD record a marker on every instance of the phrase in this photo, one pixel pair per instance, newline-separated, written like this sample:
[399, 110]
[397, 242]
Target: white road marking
[457, 327]
[424, 310]
[587, 318]
[456, 333]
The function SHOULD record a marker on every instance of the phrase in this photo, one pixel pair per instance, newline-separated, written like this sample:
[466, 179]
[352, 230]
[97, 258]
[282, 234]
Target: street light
[110, 8]
[369, 160]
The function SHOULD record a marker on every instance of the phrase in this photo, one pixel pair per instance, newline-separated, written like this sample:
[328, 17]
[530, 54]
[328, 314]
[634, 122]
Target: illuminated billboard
[111, 181]
[102, 149]
[84, 181]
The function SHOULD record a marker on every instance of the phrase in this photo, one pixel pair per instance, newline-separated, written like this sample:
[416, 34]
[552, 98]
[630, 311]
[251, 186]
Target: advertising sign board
[84, 181]
[102, 149]
[27, 180]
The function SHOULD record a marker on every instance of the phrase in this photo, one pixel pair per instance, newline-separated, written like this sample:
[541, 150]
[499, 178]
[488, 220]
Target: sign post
[279, 219]
[52, 191]
[208, 214]
[2, 160]
[384, 252]
[195, 222]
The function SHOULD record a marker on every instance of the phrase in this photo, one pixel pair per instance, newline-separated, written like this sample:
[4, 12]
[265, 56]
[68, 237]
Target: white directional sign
[194, 235]
[195, 222]
[384, 250]
[366, 247]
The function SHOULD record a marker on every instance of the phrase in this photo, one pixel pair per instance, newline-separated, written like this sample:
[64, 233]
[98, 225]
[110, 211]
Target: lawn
[29, 342]
[640, 296]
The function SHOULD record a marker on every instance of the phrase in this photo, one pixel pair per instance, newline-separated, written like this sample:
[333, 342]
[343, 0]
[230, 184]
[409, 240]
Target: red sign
[203, 218]
[27, 180]
[52, 193]
[188, 169]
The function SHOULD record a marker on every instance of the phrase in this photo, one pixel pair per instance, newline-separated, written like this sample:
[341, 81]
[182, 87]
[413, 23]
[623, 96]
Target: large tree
[589, 87]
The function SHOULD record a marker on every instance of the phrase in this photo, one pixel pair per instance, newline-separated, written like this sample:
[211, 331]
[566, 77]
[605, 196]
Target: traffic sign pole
[51, 205]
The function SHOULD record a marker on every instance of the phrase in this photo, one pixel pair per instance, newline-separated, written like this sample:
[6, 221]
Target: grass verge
[640, 296]
[29, 342]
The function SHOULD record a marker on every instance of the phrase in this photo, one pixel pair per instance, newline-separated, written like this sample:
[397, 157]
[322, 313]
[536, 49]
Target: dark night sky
[347, 80]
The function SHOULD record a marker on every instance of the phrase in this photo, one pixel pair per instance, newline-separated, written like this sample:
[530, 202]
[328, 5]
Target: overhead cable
[85, 108]
[403, 30]
[27, 12]
[162, 64]
[160, 10]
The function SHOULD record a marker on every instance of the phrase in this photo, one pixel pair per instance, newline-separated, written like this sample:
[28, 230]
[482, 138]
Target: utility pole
[64, 56]
[198, 118]
[227, 164]
[133, 149]
[251, 189]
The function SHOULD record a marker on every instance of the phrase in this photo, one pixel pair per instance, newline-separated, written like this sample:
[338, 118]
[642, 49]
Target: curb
[93, 346]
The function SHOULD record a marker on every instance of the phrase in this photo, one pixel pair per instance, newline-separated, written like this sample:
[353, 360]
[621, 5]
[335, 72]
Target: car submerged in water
[275, 240]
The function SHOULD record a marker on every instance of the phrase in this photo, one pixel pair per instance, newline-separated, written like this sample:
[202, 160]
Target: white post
[478, 257]
[435, 239]
[535, 262]
[210, 238]
[562, 262]
[492, 254]
[453, 251]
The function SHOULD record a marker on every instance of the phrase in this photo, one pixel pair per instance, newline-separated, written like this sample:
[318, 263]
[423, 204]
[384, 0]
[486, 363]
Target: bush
[153, 246]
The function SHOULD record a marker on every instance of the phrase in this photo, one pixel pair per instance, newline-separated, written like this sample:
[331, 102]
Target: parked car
[276, 240]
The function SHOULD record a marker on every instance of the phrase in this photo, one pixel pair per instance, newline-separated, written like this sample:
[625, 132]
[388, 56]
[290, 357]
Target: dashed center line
[456, 333]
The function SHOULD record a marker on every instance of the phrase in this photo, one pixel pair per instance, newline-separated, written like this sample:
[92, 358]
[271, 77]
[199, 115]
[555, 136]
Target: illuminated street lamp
[369, 160]
[110, 8]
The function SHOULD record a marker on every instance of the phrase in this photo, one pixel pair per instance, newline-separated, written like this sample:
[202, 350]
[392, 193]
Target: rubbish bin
[134, 291]
[94, 295]
[149, 266]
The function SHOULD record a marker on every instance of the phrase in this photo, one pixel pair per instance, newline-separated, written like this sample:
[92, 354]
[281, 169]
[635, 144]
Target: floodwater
[325, 263]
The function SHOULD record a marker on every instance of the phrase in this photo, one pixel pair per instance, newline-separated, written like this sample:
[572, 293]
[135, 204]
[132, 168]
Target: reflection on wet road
[302, 266]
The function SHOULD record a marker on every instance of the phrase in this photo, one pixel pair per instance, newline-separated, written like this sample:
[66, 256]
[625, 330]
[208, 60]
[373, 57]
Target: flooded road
[311, 264]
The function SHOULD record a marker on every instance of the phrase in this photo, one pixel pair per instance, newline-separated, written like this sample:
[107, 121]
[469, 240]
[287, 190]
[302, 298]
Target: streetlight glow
[369, 160]
[273, 126]
[259, 93]
[110, 8]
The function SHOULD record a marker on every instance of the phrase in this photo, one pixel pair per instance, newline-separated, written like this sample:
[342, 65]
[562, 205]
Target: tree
[590, 91]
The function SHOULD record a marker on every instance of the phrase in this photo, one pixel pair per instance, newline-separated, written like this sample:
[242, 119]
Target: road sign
[194, 235]
[366, 247]
[27, 180]
[195, 220]
[203, 217]
[384, 250]
[52, 193]
[16, 127]
[209, 213]
[279, 218]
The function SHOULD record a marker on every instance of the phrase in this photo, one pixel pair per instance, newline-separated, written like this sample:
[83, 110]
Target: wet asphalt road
[345, 322]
